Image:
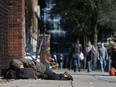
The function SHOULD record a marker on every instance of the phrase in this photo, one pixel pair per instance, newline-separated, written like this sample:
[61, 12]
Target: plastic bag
[81, 56]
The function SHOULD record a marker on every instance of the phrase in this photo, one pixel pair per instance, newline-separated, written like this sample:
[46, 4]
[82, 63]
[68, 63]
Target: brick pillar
[16, 31]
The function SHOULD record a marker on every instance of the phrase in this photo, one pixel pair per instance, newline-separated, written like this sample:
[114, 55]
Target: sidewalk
[81, 79]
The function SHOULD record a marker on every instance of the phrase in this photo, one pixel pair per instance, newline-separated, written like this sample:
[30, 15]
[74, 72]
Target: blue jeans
[89, 65]
[61, 65]
[102, 63]
[76, 62]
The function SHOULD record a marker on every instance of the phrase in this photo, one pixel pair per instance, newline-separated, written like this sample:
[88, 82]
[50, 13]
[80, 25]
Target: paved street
[81, 79]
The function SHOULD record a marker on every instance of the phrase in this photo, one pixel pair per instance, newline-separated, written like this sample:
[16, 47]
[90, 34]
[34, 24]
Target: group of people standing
[92, 56]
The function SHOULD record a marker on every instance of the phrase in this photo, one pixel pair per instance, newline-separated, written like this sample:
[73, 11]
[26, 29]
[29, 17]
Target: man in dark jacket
[40, 69]
[77, 49]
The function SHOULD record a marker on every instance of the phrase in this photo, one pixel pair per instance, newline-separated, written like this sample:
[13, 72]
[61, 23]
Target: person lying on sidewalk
[37, 68]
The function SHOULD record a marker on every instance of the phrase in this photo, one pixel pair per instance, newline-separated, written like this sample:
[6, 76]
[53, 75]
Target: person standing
[103, 55]
[60, 61]
[77, 49]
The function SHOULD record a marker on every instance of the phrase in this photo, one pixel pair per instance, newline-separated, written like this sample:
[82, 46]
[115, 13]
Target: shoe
[68, 76]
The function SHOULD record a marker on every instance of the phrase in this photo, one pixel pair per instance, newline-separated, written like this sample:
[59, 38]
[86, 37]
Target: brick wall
[16, 33]
[3, 32]
[12, 32]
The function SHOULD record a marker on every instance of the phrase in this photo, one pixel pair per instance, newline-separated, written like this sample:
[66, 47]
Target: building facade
[18, 23]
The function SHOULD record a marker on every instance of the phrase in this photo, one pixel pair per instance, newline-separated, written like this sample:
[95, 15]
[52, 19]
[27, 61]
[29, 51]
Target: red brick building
[14, 25]
[19, 26]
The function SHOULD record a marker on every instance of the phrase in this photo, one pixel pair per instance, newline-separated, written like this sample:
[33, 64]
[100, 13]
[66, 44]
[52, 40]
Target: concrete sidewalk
[81, 79]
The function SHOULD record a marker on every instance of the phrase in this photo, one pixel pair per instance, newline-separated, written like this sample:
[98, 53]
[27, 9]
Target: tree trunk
[95, 36]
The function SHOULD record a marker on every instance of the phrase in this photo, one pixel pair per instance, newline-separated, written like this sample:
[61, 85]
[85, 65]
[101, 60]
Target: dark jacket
[90, 55]
[77, 48]
[37, 66]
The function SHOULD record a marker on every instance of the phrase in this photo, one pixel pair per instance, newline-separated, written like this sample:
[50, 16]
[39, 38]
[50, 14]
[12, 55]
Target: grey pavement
[81, 79]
